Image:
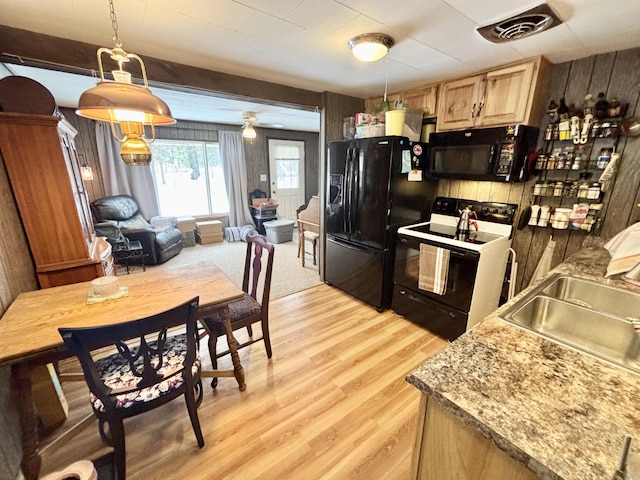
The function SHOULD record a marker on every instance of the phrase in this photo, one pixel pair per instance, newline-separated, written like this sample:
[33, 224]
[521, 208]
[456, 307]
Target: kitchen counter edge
[561, 413]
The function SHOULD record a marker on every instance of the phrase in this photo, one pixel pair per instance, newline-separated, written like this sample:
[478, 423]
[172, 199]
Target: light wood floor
[332, 403]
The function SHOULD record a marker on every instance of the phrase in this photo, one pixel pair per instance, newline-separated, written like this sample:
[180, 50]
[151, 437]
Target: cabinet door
[70, 154]
[423, 99]
[459, 102]
[507, 95]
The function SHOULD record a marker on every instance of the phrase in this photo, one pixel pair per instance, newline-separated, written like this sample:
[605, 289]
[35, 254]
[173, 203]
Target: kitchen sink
[583, 315]
[593, 295]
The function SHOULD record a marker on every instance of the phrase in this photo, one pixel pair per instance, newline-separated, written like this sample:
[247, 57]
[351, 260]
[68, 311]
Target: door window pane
[287, 159]
[288, 174]
[189, 178]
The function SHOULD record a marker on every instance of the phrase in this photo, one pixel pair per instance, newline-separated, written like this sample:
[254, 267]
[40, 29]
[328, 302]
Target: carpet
[288, 274]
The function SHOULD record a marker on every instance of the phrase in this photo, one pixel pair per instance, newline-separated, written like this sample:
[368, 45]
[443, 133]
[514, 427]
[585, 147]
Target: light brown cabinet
[41, 161]
[424, 99]
[504, 96]
[448, 449]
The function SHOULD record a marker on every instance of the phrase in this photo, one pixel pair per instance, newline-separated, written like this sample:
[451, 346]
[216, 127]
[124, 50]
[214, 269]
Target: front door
[286, 168]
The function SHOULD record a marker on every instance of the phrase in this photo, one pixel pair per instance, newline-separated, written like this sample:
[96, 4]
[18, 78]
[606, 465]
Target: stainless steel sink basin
[596, 296]
[587, 316]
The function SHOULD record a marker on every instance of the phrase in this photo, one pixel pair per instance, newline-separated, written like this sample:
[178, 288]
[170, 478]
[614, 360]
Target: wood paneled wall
[617, 75]
[17, 274]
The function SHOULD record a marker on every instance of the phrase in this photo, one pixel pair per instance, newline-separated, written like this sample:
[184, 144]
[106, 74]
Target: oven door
[443, 320]
[463, 267]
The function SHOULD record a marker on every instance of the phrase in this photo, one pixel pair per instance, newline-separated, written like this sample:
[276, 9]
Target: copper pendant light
[123, 104]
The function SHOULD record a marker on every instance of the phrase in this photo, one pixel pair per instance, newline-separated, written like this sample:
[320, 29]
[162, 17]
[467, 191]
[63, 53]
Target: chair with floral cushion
[152, 365]
[254, 305]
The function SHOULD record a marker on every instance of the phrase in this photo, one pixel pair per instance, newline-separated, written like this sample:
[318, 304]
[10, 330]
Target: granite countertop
[561, 413]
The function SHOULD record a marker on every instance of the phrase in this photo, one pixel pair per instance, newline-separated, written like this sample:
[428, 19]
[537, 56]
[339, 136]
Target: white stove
[494, 224]
[477, 265]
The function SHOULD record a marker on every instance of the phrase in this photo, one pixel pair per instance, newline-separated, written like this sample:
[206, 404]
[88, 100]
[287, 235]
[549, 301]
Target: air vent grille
[527, 23]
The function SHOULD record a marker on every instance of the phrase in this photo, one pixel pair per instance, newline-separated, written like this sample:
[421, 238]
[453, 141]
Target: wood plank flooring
[332, 403]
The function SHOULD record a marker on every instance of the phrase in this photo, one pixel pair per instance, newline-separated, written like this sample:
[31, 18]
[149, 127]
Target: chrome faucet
[627, 470]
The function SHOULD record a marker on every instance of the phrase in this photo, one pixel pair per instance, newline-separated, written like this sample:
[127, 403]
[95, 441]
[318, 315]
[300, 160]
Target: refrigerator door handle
[353, 201]
[347, 189]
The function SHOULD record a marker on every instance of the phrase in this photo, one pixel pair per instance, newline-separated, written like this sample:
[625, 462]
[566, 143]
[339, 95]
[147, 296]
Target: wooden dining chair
[149, 368]
[254, 305]
[308, 217]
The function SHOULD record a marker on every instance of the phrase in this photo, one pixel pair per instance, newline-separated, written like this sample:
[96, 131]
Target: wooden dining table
[29, 328]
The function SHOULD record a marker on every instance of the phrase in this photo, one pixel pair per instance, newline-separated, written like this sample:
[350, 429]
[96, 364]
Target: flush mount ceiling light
[249, 119]
[370, 47]
[533, 21]
[122, 103]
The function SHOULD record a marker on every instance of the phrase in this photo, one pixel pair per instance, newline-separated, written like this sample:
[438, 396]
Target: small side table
[124, 252]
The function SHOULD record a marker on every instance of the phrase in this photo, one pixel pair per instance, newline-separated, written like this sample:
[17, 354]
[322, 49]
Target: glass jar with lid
[593, 192]
[583, 185]
[537, 188]
[566, 188]
[557, 189]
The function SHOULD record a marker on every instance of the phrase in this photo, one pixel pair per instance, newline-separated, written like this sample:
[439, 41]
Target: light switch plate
[263, 177]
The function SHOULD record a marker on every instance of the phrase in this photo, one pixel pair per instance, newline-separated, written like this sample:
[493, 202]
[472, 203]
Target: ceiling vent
[533, 21]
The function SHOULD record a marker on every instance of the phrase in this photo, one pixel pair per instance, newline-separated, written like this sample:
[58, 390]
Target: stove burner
[447, 231]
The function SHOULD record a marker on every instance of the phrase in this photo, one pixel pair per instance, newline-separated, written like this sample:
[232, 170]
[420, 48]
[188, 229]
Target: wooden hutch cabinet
[40, 158]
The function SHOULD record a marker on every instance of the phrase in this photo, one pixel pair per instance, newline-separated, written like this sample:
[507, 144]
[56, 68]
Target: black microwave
[496, 154]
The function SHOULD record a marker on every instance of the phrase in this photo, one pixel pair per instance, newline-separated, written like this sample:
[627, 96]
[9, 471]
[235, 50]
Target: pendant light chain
[114, 24]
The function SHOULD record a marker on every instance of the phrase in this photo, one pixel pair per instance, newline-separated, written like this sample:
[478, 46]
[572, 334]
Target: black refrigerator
[374, 186]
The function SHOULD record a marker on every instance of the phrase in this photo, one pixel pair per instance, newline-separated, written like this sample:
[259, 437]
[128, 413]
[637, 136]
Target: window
[287, 160]
[189, 178]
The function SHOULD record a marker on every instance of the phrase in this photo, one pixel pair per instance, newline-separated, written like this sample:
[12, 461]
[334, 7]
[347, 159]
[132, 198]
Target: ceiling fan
[249, 120]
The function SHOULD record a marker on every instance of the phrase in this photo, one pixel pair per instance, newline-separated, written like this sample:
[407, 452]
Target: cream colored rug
[288, 274]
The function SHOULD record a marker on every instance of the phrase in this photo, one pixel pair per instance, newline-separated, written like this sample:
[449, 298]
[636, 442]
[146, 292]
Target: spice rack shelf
[568, 175]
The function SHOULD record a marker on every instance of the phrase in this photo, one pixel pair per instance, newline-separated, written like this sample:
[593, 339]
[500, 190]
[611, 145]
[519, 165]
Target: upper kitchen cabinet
[423, 99]
[510, 95]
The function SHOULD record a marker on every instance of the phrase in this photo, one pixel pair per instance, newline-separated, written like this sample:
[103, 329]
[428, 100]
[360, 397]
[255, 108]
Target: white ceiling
[303, 43]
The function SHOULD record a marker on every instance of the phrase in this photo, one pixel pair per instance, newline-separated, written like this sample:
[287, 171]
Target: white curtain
[235, 176]
[121, 179]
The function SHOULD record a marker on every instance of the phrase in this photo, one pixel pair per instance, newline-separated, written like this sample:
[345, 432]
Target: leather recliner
[160, 238]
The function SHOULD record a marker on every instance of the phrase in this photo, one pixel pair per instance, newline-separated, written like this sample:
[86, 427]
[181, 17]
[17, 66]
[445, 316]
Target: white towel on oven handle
[434, 269]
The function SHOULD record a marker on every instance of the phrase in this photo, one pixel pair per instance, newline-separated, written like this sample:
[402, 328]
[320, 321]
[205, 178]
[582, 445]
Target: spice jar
[594, 191]
[583, 186]
[546, 188]
[551, 162]
[541, 162]
[557, 189]
[566, 188]
[604, 157]
[573, 191]
[537, 188]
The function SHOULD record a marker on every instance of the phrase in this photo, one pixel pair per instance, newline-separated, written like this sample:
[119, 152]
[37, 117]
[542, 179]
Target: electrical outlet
[263, 177]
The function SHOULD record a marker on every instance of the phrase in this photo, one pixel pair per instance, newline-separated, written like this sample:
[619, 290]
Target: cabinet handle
[480, 108]
[473, 111]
